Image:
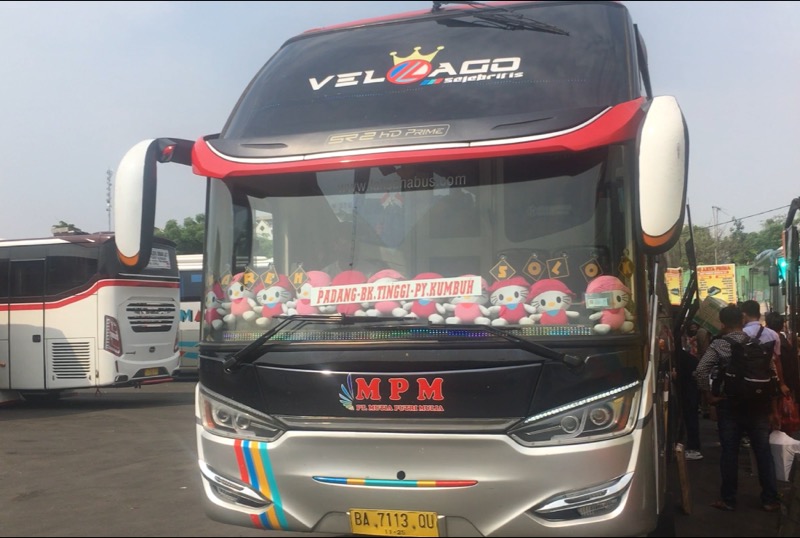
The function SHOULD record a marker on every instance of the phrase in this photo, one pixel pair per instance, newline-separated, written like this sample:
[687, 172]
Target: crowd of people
[763, 425]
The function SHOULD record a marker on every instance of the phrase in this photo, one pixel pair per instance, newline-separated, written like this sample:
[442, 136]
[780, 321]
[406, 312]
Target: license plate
[393, 523]
[148, 372]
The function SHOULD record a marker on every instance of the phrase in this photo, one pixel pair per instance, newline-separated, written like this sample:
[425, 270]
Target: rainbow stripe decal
[380, 483]
[255, 469]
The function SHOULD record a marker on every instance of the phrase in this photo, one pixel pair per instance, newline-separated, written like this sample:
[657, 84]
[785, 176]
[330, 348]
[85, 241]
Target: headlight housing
[221, 416]
[602, 416]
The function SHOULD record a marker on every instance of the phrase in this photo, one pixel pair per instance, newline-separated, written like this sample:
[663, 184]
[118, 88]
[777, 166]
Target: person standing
[789, 363]
[690, 393]
[753, 328]
[735, 419]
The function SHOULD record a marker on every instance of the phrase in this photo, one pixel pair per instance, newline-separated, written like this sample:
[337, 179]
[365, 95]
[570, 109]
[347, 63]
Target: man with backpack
[743, 389]
[754, 329]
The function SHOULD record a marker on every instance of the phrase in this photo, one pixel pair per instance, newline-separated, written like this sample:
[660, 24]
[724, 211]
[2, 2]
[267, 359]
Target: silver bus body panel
[500, 504]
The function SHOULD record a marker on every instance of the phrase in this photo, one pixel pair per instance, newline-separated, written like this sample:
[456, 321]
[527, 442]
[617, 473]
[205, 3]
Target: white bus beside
[73, 317]
[190, 267]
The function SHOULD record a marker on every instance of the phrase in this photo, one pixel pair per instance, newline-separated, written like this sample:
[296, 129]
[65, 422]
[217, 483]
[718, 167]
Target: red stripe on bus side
[91, 291]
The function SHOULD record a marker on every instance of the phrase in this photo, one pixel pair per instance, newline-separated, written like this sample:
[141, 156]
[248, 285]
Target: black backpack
[748, 375]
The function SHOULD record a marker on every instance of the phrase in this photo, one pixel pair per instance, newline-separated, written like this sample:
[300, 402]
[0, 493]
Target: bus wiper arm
[492, 17]
[247, 353]
[522, 343]
[232, 363]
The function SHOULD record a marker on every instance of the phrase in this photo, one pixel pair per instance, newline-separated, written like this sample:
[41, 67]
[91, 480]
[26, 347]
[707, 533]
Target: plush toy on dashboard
[424, 307]
[508, 302]
[348, 278]
[610, 297]
[214, 311]
[385, 308]
[469, 308]
[272, 300]
[551, 298]
[302, 306]
[240, 301]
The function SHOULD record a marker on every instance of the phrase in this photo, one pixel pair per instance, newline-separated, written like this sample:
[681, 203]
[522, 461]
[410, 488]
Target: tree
[188, 238]
[704, 246]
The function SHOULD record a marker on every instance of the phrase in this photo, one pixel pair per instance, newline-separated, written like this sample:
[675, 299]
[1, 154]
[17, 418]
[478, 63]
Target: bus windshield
[509, 242]
[450, 69]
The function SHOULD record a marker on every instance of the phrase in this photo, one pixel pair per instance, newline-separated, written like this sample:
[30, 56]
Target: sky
[81, 83]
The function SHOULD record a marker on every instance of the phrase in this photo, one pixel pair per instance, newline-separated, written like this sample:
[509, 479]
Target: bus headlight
[223, 417]
[599, 417]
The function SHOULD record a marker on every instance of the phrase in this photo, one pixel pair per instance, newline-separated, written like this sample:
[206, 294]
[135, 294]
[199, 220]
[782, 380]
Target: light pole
[715, 209]
[109, 174]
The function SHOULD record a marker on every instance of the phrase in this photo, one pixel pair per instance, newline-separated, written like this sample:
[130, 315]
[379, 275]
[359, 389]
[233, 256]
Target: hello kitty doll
[272, 300]
[302, 306]
[240, 301]
[508, 302]
[610, 297]
[213, 307]
[385, 308]
[426, 308]
[469, 308]
[346, 278]
[551, 298]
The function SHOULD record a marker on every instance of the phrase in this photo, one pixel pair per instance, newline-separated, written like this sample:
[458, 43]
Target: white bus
[72, 317]
[190, 267]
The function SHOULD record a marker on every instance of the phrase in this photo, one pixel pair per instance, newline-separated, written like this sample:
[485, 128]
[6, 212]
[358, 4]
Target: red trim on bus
[407, 15]
[619, 124]
[91, 291]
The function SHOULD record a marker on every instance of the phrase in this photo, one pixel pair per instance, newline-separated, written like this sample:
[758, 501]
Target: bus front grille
[71, 360]
[151, 317]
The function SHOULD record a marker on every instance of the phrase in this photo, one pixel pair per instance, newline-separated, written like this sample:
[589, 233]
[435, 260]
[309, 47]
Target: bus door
[26, 325]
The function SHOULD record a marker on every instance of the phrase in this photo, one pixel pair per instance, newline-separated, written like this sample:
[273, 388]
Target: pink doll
[346, 278]
[214, 311]
[272, 300]
[610, 297]
[302, 306]
[508, 302]
[240, 300]
[426, 308]
[385, 308]
[470, 308]
[551, 298]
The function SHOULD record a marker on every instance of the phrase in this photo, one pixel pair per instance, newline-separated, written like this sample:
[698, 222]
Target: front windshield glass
[540, 244]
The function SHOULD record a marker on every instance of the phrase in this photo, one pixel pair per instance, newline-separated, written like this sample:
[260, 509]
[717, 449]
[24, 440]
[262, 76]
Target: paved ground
[748, 520]
[124, 463]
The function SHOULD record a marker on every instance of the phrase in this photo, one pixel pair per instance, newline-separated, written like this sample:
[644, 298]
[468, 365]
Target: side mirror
[135, 196]
[663, 170]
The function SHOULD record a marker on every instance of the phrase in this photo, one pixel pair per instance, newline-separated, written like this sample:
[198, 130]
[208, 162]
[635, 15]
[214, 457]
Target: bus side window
[68, 272]
[27, 279]
[191, 285]
[3, 280]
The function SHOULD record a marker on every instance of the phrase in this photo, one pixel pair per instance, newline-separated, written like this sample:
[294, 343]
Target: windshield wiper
[522, 343]
[498, 17]
[249, 352]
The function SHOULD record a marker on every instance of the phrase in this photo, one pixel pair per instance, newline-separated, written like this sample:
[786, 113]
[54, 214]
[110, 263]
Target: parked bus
[72, 317]
[190, 267]
[465, 329]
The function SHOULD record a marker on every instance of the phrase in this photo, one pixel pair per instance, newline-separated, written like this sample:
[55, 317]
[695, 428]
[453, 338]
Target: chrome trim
[418, 147]
[584, 497]
[425, 425]
[234, 488]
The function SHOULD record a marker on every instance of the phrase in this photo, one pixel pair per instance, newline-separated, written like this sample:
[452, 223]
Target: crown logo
[416, 55]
